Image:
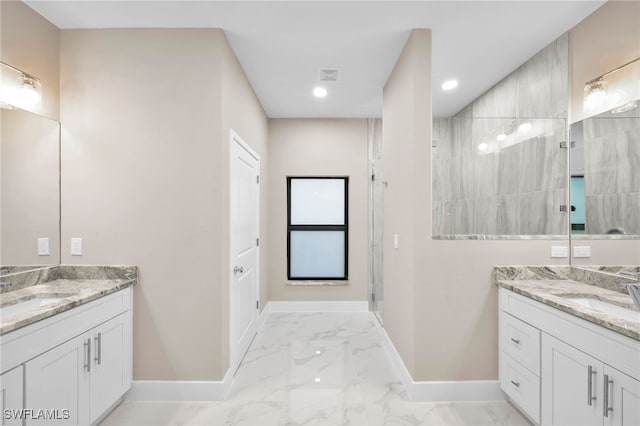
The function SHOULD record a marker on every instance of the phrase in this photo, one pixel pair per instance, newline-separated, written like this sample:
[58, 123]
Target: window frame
[319, 228]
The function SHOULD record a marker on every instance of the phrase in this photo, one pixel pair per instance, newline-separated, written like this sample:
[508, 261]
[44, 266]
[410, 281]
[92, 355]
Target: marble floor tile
[315, 369]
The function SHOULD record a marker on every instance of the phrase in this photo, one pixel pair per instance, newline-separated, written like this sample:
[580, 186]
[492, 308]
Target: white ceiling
[281, 45]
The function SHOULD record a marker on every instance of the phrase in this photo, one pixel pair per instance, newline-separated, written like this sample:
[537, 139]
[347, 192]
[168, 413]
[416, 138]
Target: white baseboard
[262, 317]
[168, 390]
[321, 306]
[455, 391]
[460, 391]
[396, 361]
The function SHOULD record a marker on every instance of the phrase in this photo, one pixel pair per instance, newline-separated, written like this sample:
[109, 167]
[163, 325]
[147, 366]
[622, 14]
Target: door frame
[235, 138]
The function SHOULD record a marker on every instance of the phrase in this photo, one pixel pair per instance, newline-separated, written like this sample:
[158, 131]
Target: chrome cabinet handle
[516, 384]
[238, 269]
[516, 341]
[98, 341]
[87, 352]
[605, 406]
[590, 373]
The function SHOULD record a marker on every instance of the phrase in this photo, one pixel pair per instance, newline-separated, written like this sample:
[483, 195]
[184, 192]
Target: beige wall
[604, 40]
[406, 134]
[312, 147]
[32, 44]
[440, 307]
[144, 157]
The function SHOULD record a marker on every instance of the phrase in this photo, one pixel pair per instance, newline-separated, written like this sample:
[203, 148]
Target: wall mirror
[605, 175]
[29, 191]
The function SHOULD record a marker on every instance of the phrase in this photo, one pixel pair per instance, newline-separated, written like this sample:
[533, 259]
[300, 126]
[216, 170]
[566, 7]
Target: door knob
[238, 269]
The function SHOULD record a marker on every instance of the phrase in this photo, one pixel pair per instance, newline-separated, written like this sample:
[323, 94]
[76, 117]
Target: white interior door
[244, 221]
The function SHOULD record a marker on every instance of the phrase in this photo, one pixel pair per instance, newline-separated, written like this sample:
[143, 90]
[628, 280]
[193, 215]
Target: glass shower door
[376, 194]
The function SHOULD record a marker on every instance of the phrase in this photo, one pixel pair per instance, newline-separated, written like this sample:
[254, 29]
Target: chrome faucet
[633, 288]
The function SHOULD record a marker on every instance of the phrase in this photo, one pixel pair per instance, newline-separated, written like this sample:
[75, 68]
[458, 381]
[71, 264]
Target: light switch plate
[582, 251]
[395, 241]
[76, 246]
[559, 251]
[43, 247]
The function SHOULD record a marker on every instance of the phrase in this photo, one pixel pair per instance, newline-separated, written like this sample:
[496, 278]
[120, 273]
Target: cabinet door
[11, 397]
[623, 399]
[111, 370]
[570, 394]
[57, 384]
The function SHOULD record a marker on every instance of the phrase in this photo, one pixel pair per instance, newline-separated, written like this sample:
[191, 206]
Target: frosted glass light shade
[317, 254]
[317, 201]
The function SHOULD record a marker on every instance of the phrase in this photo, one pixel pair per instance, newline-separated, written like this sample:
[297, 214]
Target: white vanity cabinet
[77, 364]
[623, 400]
[110, 371]
[571, 385]
[568, 371]
[57, 380]
[11, 396]
[579, 389]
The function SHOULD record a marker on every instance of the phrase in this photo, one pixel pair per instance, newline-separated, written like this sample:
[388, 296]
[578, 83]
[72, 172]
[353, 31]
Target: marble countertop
[74, 292]
[556, 293]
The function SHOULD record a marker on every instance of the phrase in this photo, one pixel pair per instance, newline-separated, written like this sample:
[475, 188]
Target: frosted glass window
[317, 201]
[317, 228]
[317, 254]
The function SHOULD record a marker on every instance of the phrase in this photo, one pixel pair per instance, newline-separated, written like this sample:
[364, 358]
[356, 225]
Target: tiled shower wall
[612, 180]
[514, 186]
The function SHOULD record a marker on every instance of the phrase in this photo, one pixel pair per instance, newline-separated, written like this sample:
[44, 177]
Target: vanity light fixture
[29, 93]
[501, 137]
[320, 92]
[24, 94]
[524, 127]
[483, 147]
[595, 91]
[595, 95]
[449, 84]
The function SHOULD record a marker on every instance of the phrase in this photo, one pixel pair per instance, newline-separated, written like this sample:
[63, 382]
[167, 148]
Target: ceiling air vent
[329, 74]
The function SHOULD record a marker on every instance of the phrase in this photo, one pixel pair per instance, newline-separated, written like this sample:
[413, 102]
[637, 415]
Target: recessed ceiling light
[449, 84]
[501, 137]
[320, 92]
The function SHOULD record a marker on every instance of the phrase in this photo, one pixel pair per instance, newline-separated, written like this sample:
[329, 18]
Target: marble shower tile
[509, 168]
[631, 213]
[507, 214]
[602, 213]
[486, 177]
[499, 101]
[540, 213]
[543, 82]
[438, 218]
[461, 214]
[442, 157]
[485, 216]
[464, 153]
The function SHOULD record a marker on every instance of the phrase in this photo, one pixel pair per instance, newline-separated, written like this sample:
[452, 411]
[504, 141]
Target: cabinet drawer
[521, 341]
[521, 385]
